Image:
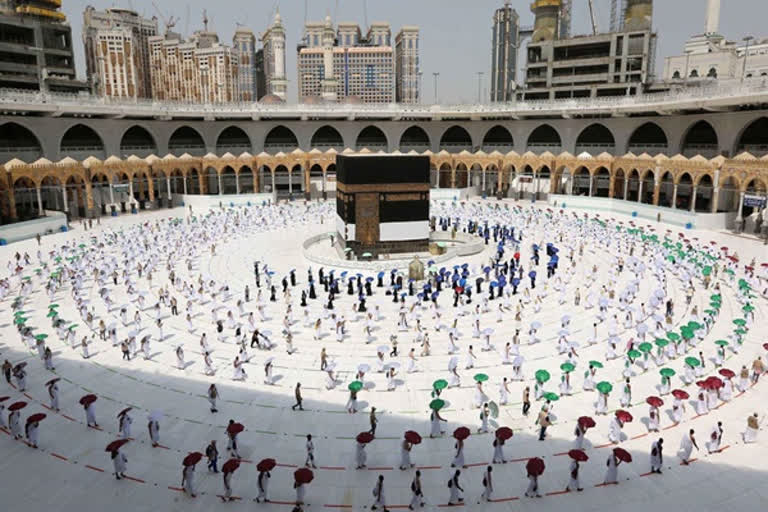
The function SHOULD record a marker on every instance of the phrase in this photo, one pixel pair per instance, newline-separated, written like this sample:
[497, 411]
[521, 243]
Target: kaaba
[382, 203]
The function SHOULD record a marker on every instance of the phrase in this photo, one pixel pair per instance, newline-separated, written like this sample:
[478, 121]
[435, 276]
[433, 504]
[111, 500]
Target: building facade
[505, 42]
[201, 70]
[36, 43]
[407, 66]
[244, 41]
[709, 56]
[608, 64]
[273, 60]
[343, 66]
[117, 52]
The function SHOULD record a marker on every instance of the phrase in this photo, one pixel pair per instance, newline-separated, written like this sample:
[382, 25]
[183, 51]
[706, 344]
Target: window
[712, 73]
[676, 75]
[694, 74]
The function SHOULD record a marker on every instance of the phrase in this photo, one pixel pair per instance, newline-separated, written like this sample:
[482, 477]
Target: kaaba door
[367, 218]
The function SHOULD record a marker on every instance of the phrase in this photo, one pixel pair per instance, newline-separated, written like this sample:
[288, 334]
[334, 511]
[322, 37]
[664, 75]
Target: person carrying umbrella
[188, 475]
[612, 473]
[30, 429]
[228, 469]
[262, 483]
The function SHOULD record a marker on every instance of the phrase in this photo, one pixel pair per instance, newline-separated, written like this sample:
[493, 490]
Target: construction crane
[593, 16]
[168, 22]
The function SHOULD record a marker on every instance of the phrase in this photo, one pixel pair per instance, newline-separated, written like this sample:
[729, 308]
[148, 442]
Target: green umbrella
[740, 331]
[552, 397]
[667, 372]
[596, 364]
[41, 336]
[673, 336]
[740, 322]
[355, 386]
[567, 367]
[367, 255]
[20, 313]
[348, 249]
[19, 320]
[27, 278]
[715, 305]
[542, 376]
[440, 384]
[645, 347]
[710, 312]
[686, 333]
[692, 361]
[748, 308]
[481, 377]
[716, 297]
[604, 387]
[634, 354]
[52, 306]
[721, 343]
[52, 313]
[82, 246]
[694, 325]
[437, 404]
[706, 270]
[442, 245]
[73, 326]
[661, 342]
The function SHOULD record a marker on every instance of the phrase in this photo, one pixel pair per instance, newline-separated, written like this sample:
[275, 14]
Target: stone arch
[17, 141]
[245, 180]
[195, 181]
[137, 140]
[233, 139]
[581, 182]
[51, 192]
[754, 138]
[444, 175]
[186, 139]
[648, 184]
[666, 189]
[280, 138]
[633, 185]
[327, 137]
[76, 196]
[684, 194]
[498, 138]
[648, 138]
[596, 139]
[416, 139]
[371, 137]
[704, 193]
[700, 139]
[282, 181]
[228, 180]
[25, 198]
[80, 142]
[461, 175]
[601, 182]
[456, 139]
[544, 138]
[177, 182]
[619, 182]
[100, 191]
[210, 179]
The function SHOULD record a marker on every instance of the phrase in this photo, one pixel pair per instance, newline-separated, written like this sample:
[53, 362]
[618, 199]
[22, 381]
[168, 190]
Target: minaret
[279, 84]
[328, 84]
[713, 17]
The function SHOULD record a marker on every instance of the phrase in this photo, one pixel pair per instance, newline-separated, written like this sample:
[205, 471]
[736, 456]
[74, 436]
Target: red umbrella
[622, 454]
[36, 417]
[230, 466]
[266, 465]
[4, 398]
[723, 248]
[235, 428]
[586, 422]
[728, 374]
[701, 383]
[115, 445]
[654, 401]
[680, 394]
[765, 346]
[124, 411]
[19, 366]
[303, 475]
[733, 259]
[623, 416]
[578, 455]
[412, 437]
[504, 433]
[16, 406]
[88, 399]
[713, 382]
[461, 433]
[535, 466]
[192, 459]
[364, 437]
[53, 381]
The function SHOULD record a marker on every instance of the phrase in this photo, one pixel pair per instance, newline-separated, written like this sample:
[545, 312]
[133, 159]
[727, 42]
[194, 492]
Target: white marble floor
[70, 469]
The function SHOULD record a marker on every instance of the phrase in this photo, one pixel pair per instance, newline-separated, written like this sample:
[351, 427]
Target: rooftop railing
[719, 93]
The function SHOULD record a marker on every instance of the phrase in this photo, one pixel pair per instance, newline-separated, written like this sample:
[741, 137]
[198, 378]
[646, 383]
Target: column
[274, 188]
[715, 198]
[237, 183]
[218, 178]
[591, 180]
[184, 182]
[11, 203]
[640, 191]
[64, 195]
[453, 178]
[656, 192]
[40, 201]
[111, 193]
[482, 181]
[626, 187]
[290, 183]
[168, 188]
[739, 218]
[674, 197]
[693, 199]
[438, 178]
[130, 190]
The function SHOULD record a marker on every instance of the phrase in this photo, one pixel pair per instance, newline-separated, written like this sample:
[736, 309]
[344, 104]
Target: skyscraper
[407, 66]
[117, 52]
[245, 43]
[506, 26]
[273, 42]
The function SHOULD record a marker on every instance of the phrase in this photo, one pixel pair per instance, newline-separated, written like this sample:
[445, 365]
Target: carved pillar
[715, 199]
[218, 180]
[674, 197]
[64, 195]
[693, 199]
[40, 209]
